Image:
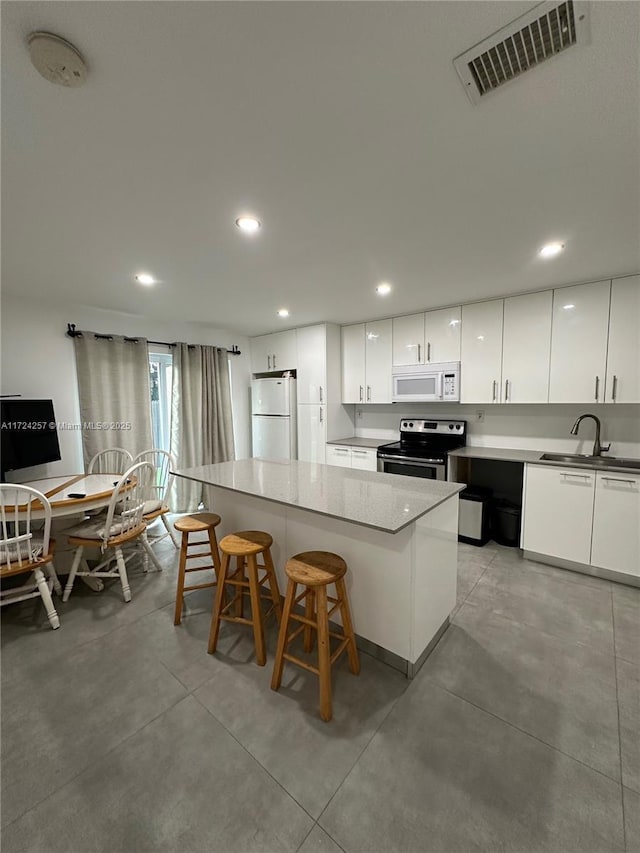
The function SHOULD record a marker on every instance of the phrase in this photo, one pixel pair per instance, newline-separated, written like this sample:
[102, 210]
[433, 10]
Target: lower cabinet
[362, 458]
[615, 542]
[583, 516]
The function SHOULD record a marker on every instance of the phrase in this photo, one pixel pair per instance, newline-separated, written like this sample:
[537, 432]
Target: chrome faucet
[598, 449]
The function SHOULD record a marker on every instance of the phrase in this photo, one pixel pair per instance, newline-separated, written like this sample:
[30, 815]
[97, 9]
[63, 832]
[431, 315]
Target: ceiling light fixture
[569, 306]
[383, 289]
[551, 250]
[283, 312]
[248, 224]
[145, 278]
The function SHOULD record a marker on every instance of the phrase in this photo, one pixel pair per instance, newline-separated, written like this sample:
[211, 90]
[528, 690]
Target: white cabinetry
[526, 347]
[442, 335]
[321, 415]
[616, 523]
[275, 352]
[623, 357]
[579, 343]
[366, 362]
[346, 456]
[558, 512]
[481, 368]
[408, 340]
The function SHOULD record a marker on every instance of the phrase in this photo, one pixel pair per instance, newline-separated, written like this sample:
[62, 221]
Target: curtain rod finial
[235, 351]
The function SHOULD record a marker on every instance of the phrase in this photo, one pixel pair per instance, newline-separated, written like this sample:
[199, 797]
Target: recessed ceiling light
[551, 250]
[248, 224]
[383, 289]
[283, 312]
[145, 278]
[569, 306]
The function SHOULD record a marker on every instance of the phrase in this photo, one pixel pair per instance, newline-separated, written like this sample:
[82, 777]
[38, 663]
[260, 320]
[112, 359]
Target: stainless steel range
[423, 448]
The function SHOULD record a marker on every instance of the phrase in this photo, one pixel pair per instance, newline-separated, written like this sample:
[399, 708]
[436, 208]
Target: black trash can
[505, 523]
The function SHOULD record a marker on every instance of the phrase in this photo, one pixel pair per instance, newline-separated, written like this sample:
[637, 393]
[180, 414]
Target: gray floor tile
[319, 842]
[626, 618]
[629, 699]
[443, 773]
[283, 730]
[563, 693]
[514, 557]
[182, 783]
[632, 820]
[481, 556]
[56, 722]
[567, 610]
[469, 573]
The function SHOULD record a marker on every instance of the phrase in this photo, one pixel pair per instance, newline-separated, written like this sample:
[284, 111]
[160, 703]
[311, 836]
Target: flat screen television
[28, 434]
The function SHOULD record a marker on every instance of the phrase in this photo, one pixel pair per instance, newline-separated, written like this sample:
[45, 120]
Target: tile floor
[520, 733]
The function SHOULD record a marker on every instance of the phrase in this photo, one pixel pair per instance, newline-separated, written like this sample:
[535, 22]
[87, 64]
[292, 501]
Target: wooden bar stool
[245, 547]
[199, 522]
[315, 570]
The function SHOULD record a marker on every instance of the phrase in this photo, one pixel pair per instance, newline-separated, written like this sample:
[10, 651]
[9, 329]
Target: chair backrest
[163, 462]
[126, 506]
[17, 543]
[115, 460]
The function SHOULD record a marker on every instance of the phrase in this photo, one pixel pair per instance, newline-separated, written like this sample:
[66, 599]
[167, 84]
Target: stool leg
[309, 612]
[256, 611]
[238, 596]
[324, 654]
[347, 626]
[276, 678]
[182, 565]
[273, 584]
[217, 607]
[213, 547]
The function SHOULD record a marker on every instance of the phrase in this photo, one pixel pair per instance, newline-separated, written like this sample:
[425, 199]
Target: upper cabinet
[442, 335]
[526, 347]
[408, 339]
[579, 343]
[366, 362]
[274, 352]
[623, 357]
[481, 369]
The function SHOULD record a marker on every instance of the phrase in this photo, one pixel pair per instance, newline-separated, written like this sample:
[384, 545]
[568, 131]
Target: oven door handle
[403, 460]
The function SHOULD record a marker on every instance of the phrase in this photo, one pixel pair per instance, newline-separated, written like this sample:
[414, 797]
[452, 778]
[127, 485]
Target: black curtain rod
[72, 333]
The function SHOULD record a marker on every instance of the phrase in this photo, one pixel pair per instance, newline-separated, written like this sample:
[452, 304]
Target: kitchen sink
[592, 461]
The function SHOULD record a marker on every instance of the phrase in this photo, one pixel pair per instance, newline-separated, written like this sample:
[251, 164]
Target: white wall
[38, 361]
[544, 427]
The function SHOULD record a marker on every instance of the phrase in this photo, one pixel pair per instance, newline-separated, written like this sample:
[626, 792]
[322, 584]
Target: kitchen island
[399, 536]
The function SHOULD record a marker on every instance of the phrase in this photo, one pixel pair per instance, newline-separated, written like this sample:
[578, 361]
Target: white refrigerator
[273, 418]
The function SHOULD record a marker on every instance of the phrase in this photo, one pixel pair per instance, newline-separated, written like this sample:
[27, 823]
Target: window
[160, 375]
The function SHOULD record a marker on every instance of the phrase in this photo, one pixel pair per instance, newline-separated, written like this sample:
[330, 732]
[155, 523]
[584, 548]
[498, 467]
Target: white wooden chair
[157, 504]
[115, 460]
[25, 551]
[123, 523]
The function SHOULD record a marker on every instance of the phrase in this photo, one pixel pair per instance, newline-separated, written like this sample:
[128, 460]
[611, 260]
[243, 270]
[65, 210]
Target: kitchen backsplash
[544, 427]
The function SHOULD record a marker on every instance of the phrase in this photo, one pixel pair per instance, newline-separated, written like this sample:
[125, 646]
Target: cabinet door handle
[361, 393]
[341, 450]
[268, 362]
[579, 476]
[321, 418]
[615, 388]
[364, 453]
[321, 400]
[274, 361]
[506, 390]
[368, 393]
[418, 353]
[428, 350]
[597, 387]
[495, 390]
[620, 480]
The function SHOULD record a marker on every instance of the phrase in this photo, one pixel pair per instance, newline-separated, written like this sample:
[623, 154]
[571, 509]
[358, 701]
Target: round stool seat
[315, 568]
[197, 523]
[245, 542]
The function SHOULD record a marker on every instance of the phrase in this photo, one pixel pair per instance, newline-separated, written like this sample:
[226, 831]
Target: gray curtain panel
[113, 387]
[201, 417]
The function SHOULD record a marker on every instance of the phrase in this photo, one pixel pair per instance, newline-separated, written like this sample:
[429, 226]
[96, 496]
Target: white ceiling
[343, 126]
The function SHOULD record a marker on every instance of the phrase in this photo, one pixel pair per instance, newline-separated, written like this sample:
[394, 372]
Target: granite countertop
[354, 441]
[386, 502]
[504, 454]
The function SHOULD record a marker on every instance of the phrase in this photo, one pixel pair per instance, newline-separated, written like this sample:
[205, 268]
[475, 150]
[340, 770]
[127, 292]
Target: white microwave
[427, 383]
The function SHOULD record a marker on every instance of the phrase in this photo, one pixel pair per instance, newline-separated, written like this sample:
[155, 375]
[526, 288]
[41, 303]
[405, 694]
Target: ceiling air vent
[531, 39]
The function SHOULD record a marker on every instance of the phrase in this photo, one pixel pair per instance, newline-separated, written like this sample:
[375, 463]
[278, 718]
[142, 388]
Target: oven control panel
[432, 427]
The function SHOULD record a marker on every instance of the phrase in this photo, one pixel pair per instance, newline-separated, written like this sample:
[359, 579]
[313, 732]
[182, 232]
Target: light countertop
[533, 457]
[386, 502]
[354, 441]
